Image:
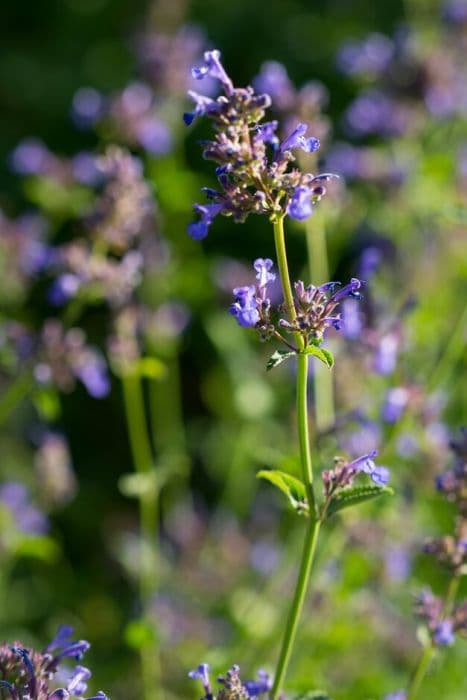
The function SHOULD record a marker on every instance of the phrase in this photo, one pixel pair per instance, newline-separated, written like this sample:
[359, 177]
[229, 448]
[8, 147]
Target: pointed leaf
[293, 488]
[356, 495]
[278, 357]
[322, 354]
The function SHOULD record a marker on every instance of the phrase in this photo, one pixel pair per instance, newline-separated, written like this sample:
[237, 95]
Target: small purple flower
[262, 684]
[398, 695]
[77, 684]
[63, 289]
[349, 290]
[444, 634]
[93, 374]
[87, 107]
[297, 139]
[214, 69]
[352, 323]
[395, 402]
[202, 673]
[199, 229]
[267, 132]
[385, 359]
[30, 157]
[300, 206]
[154, 136]
[203, 105]
[85, 169]
[379, 475]
[263, 268]
[245, 307]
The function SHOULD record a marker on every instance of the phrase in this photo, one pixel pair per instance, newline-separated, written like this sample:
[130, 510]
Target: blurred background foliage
[227, 542]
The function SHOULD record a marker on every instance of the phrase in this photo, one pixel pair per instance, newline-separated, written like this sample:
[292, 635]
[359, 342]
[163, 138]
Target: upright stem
[319, 274]
[143, 463]
[313, 523]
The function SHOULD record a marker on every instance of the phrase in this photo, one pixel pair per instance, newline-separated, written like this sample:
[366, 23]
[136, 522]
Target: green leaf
[358, 494]
[322, 354]
[293, 488]
[278, 357]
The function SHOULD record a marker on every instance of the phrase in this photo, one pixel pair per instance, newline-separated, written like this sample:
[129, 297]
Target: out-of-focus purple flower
[300, 206]
[373, 112]
[27, 518]
[297, 139]
[87, 107]
[369, 262]
[245, 307]
[368, 57]
[199, 229]
[385, 358]
[213, 67]
[85, 169]
[398, 695]
[394, 404]
[444, 634]
[455, 11]
[275, 82]
[30, 157]
[64, 288]
[262, 684]
[154, 135]
[92, 371]
[53, 465]
[352, 319]
[397, 563]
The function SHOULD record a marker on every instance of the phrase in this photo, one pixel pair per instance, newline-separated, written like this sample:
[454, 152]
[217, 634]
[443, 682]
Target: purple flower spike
[59, 694]
[297, 139]
[350, 290]
[300, 206]
[202, 673]
[214, 69]
[199, 229]
[245, 307]
[444, 634]
[263, 267]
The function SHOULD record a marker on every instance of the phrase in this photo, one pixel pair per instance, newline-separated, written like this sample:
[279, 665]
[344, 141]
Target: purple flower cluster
[343, 474]
[232, 686]
[254, 168]
[27, 674]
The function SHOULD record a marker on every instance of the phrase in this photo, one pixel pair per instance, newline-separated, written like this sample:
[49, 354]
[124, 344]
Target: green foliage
[355, 495]
[322, 354]
[278, 357]
[292, 487]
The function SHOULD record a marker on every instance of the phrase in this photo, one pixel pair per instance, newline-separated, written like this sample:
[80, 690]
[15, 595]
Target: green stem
[420, 672]
[319, 274]
[14, 393]
[142, 459]
[313, 523]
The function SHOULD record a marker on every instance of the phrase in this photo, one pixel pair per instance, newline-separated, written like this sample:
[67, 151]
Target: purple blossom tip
[245, 307]
[213, 68]
[263, 267]
[297, 139]
[300, 206]
[198, 230]
[444, 634]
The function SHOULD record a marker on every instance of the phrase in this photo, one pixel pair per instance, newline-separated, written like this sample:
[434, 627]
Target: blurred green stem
[18, 388]
[142, 459]
[319, 274]
[429, 651]
[313, 523]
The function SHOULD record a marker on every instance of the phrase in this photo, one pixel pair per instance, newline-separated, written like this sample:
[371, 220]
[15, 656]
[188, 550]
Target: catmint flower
[262, 684]
[199, 229]
[87, 107]
[213, 67]
[379, 475]
[245, 307]
[254, 170]
[26, 517]
[273, 80]
[444, 634]
[398, 695]
[263, 268]
[368, 57]
[344, 472]
[395, 403]
[300, 206]
[35, 675]
[297, 139]
[385, 358]
[202, 673]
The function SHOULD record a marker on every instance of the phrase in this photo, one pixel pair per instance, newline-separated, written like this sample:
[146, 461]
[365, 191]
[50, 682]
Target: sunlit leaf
[278, 357]
[292, 487]
[356, 495]
[322, 354]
